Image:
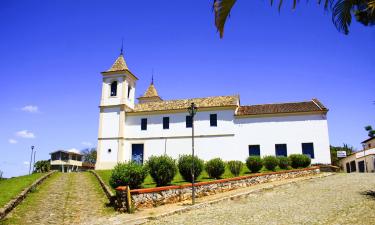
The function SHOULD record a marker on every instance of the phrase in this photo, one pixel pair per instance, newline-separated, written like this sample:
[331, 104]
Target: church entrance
[137, 153]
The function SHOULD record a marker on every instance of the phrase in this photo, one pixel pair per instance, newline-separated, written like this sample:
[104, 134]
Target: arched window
[114, 88]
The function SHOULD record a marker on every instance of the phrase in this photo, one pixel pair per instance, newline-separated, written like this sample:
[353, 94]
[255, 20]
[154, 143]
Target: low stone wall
[14, 202]
[152, 197]
[108, 192]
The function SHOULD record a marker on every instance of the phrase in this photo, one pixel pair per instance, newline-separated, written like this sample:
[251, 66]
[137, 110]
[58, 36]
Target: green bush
[299, 160]
[270, 162]
[132, 174]
[215, 168]
[185, 167]
[254, 163]
[235, 167]
[284, 162]
[162, 169]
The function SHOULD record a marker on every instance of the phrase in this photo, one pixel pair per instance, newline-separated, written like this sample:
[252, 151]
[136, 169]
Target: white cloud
[25, 134]
[86, 143]
[30, 108]
[12, 141]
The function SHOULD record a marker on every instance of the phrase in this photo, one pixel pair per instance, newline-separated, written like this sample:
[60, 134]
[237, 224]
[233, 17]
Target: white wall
[110, 122]
[177, 125]
[290, 130]
[230, 139]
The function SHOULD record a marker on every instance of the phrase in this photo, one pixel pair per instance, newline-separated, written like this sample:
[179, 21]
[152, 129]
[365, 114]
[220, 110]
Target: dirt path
[69, 198]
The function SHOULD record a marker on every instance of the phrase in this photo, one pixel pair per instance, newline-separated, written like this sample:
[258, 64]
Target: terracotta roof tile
[295, 107]
[150, 92]
[218, 101]
[118, 65]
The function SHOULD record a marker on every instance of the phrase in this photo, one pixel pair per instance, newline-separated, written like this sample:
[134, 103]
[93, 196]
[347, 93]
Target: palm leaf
[222, 11]
[341, 15]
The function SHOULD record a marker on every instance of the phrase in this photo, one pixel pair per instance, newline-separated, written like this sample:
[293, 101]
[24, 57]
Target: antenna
[122, 46]
[152, 76]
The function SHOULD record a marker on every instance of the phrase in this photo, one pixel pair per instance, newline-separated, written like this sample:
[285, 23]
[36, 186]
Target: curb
[15, 201]
[108, 192]
[146, 219]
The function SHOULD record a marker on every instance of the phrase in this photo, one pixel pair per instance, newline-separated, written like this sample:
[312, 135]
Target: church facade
[223, 127]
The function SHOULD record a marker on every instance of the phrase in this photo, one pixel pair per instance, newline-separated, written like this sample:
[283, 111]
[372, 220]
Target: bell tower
[118, 95]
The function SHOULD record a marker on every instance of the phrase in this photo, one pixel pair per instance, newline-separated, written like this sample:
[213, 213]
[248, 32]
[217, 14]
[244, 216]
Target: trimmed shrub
[162, 169]
[299, 160]
[284, 162]
[215, 168]
[254, 163]
[235, 167]
[185, 167]
[270, 162]
[132, 174]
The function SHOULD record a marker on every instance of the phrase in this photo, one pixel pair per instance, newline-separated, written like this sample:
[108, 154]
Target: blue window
[165, 123]
[213, 120]
[189, 121]
[281, 150]
[308, 149]
[144, 124]
[254, 150]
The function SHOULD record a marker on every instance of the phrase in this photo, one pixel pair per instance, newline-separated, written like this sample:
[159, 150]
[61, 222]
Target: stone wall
[152, 197]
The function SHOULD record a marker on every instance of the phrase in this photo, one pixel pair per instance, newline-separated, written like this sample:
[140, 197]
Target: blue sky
[52, 53]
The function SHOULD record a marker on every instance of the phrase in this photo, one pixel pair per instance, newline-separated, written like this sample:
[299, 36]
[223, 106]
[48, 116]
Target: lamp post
[192, 109]
[31, 158]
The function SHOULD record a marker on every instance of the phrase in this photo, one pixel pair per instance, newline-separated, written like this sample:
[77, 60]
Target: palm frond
[222, 11]
[371, 6]
[341, 14]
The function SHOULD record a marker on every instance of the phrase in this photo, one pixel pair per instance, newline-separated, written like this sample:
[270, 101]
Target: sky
[52, 53]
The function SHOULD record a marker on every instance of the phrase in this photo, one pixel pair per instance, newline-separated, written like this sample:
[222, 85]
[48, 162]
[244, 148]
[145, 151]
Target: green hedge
[124, 174]
[254, 163]
[185, 163]
[162, 169]
[215, 168]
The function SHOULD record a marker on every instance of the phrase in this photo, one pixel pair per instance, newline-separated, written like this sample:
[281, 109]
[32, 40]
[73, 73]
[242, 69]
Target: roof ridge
[190, 99]
[279, 103]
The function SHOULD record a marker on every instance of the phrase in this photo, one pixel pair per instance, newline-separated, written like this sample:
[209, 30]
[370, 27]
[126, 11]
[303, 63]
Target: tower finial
[122, 46]
[152, 76]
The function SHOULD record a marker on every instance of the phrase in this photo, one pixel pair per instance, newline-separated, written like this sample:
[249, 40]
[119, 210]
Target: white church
[223, 127]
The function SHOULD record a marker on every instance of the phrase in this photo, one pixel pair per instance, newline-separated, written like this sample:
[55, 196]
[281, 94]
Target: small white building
[361, 161]
[223, 127]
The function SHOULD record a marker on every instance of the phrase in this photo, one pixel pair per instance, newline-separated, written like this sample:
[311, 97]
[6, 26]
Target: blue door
[137, 153]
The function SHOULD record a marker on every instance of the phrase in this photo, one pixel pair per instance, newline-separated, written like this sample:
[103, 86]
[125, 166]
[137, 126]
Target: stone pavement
[340, 199]
[69, 198]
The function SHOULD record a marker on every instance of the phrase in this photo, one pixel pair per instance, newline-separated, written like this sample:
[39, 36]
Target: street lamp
[31, 158]
[192, 109]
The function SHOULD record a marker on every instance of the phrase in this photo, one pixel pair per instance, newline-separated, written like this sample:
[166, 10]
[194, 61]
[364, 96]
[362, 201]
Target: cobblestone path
[69, 198]
[338, 199]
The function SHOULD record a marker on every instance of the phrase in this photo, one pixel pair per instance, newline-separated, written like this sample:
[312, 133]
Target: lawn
[178, 180]
[10, 188]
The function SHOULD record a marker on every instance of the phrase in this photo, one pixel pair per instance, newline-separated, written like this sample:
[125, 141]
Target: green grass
[10, 188]
[178, 180]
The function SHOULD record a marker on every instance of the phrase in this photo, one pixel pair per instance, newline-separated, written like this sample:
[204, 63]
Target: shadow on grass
[370, 194]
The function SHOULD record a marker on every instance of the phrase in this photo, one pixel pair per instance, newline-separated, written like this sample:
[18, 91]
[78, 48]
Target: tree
[334, 149]
[89, 155]
[42, 166]
[1, 175]
[371, 132]
[342, 12]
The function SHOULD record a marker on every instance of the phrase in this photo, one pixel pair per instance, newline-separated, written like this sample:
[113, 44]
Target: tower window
[213, 120]
[114, 88]
[129, 89]
[165, 123]
[144, 124]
